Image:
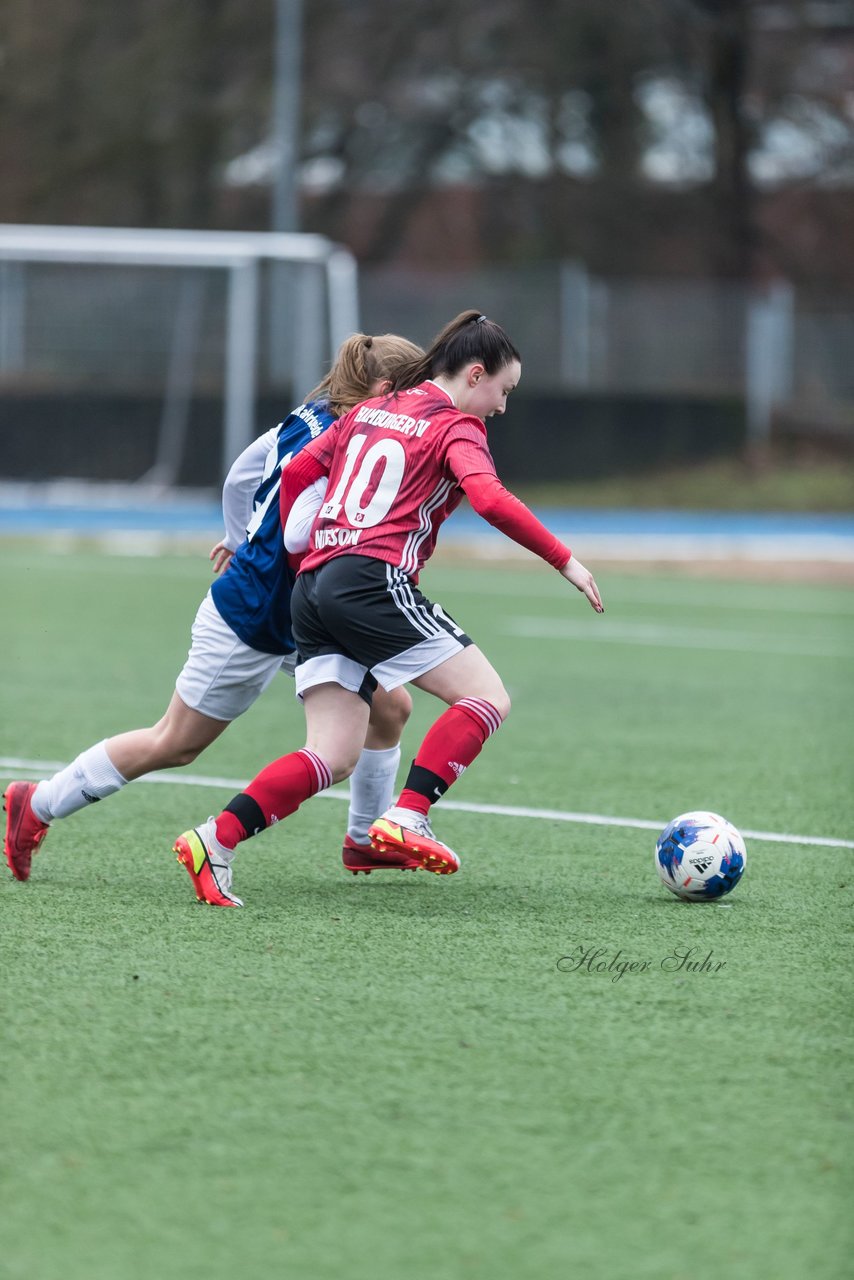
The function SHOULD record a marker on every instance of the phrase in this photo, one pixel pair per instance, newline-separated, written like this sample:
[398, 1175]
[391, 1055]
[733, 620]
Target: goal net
[153, 357]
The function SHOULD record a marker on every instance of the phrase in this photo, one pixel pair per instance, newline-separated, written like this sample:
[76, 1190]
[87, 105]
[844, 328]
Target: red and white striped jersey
[391, 481]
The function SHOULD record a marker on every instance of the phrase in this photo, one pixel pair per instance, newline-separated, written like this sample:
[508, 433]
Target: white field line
[11, 767]
[670, 637]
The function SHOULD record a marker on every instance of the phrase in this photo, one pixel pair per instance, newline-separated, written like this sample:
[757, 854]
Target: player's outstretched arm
[575, 572]
[506, 512]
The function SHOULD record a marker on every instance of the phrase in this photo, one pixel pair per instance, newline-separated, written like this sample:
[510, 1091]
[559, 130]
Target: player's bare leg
[178, 737]
[99, 771]
[478, 703]
[336, 723]
[468, 674]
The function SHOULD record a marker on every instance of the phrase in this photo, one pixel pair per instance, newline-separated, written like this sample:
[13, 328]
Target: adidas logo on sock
[459, 769]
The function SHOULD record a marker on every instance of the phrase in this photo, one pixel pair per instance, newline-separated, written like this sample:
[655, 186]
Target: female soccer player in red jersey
[241, 638]
[397, 466]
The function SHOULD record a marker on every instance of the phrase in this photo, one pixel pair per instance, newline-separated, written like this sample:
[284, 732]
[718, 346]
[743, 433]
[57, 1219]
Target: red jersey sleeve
[502, 509]
[309, 465]
[466, 450]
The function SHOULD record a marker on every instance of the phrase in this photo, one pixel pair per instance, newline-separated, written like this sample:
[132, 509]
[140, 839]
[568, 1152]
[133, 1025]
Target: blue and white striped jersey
[254, 594]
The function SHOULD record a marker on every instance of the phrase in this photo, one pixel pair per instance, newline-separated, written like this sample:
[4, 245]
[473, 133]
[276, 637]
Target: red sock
[455, 740]
[273, 794]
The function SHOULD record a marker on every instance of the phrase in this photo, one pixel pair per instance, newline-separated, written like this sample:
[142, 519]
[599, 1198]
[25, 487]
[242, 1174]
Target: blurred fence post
[178, 397]
[769, 356]
[307, 340]
[240, 359]
[584, 327]
[575, 323]
[12, 316]
[342, 297]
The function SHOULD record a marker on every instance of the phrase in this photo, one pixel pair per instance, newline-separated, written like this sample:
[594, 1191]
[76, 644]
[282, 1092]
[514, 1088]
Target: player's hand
[575, 572]
[221, 555]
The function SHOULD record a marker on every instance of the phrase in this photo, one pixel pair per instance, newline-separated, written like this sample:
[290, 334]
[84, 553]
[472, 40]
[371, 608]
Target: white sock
[217, 852]
[371, 790]
[90, 777]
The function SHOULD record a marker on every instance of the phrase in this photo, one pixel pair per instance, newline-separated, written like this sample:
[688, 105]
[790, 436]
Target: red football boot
[24, 831]
[364, 857]
[409, 834]
[211, 875]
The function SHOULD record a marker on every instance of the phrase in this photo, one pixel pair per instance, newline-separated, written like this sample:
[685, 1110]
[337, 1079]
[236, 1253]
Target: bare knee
[497, 697]
[342, 761]
[389, 714]
[176, 739]
[179, 755]
[173, 750]
[340, 756]
[337, 721]
[341, 770]
[467, 675]
[501, 702]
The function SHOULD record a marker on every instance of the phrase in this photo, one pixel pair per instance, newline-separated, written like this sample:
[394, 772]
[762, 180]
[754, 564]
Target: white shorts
[222, 676]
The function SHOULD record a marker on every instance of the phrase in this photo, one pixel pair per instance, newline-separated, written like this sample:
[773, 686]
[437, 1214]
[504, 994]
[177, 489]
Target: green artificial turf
[409, 1075]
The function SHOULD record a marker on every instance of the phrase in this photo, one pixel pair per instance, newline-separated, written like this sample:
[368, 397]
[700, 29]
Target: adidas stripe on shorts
[359, 622]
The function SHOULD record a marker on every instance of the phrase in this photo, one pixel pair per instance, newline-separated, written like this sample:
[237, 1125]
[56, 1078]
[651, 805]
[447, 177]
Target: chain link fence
[119, 371]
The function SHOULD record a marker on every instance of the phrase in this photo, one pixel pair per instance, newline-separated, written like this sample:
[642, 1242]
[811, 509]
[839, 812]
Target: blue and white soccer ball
[700, 856]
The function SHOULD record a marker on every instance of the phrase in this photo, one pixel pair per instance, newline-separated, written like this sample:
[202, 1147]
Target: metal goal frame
[238, 253]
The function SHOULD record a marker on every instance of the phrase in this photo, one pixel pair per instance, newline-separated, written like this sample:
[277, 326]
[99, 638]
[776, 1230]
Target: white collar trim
[444, 391]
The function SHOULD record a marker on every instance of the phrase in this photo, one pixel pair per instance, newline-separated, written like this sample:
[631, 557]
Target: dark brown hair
[469, 338]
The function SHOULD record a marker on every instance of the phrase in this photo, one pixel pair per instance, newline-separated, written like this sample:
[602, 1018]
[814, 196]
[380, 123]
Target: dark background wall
[543, 438]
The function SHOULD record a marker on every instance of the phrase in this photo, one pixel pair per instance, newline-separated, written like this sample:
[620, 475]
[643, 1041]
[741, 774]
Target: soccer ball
[700, 856]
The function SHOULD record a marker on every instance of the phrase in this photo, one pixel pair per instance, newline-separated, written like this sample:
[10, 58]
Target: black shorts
[359, 622]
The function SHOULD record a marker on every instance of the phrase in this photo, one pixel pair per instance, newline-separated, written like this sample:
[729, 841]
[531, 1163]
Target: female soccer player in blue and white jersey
[241, 637]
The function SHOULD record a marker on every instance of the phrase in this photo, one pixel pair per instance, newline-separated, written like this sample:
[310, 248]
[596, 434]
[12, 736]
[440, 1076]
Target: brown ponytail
[362, 360]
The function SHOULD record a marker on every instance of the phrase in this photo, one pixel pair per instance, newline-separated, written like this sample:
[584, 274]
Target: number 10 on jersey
[356, 480]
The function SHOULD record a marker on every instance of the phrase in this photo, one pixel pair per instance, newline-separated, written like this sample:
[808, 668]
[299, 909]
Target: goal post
[65, 332]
